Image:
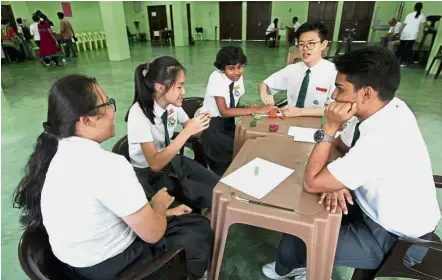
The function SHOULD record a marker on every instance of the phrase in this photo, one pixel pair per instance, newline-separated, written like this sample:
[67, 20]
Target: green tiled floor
[24, 101]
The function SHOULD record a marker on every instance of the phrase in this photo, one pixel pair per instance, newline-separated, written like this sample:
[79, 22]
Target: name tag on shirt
[321, 89]
[170, 112]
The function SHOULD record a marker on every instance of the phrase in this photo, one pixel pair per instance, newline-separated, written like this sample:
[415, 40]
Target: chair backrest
[199, 30]
[437, 178]
[156, 33]
[191, 105]
[36, 257]
[122, 148]
[433, 19]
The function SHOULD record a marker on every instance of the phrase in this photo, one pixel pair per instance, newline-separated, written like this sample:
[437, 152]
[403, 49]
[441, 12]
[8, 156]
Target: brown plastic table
[244, 131]
[309, 221]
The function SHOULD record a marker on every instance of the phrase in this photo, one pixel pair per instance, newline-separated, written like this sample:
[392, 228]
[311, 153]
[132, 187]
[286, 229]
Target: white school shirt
[141, 130]
[34, 31]
[412, 26]
[271, 28]
[389, 169]
[86, 192]
[320, 88]
[395, 29]
[296, 26]
[218, 85]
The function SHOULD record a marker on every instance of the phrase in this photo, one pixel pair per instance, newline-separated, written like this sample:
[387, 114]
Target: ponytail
[144, 93]
[70, 97]
[163, 70]
[418, 8]
[27, 195]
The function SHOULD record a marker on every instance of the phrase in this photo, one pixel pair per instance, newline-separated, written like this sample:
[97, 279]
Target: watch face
[318, 136]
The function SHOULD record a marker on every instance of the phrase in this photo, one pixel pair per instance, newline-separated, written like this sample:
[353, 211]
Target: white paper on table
[304, 134]
[270, 175]
[278, 115]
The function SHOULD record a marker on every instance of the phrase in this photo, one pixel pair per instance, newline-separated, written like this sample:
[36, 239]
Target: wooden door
[157, 18]
[357, 15]
[325, 12]
[8, 14]
[258, 19]
[230, 17]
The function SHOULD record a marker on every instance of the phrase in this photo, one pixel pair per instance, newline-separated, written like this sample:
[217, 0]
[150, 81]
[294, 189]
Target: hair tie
[146, 69]
[47, 128]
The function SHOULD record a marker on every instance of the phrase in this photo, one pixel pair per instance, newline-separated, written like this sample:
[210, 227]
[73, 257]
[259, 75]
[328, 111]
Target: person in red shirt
[10, 42]
[49, 48]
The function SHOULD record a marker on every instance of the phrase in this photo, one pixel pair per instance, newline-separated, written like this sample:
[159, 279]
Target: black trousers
[192, 232]
[197, 187]
[69, 48]
[362, 243]
[405, 50]
[218, 142]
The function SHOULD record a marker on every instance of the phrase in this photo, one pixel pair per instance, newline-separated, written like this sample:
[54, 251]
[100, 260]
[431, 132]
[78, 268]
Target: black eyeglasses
[308, 46]
[110, 102]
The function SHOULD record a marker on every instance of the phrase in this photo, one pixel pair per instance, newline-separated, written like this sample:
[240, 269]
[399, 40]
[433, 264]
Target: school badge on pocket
[171, 122]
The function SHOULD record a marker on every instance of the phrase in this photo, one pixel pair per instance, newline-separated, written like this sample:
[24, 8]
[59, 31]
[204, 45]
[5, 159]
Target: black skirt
[191, 231]
[194, 187]
[218, 142]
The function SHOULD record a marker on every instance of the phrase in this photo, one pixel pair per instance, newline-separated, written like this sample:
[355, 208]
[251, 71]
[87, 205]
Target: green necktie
[175, 166]
[303, 90]
[356, 135]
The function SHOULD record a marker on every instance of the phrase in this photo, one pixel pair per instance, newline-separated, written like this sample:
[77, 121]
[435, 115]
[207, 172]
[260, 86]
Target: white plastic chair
[103, 37]
[99, 39]
[93, 39]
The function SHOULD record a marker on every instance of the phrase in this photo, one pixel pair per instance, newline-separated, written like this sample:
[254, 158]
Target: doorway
[157, 16]
[258, 19]
[8, 14]
[357, 15]
[325, 12]
[230, 15]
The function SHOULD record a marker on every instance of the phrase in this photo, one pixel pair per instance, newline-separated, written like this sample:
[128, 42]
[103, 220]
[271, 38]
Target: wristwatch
[320, 136]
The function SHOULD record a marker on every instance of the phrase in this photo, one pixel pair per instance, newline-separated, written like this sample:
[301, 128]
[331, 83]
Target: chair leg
[364, 274]
[431, 65]
[438, 70]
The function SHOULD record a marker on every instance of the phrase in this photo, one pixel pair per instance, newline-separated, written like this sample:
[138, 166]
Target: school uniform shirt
[141, 130]
[395, 29]
[296, 26]
[86, 193]
[270, 29]
[389, 169]
[412, 26]
[34, 31]
[218, 85]
[320, 88]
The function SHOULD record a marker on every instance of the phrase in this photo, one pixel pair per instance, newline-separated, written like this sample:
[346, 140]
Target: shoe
[202, 278]
[269, 271]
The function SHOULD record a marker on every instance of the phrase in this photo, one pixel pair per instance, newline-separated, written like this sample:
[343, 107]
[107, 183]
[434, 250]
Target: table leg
[219, 210]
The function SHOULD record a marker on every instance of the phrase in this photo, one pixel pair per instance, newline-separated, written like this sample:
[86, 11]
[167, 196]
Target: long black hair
[70, 97]
[275, 21]
[418, 8]
[163, 70]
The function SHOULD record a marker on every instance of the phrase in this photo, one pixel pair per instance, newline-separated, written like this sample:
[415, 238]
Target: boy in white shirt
[373, 168]
[310, 83]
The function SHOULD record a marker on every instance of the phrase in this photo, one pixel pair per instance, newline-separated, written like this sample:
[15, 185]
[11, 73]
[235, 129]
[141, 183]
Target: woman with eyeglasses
[151, 122]
[309, 83]
[89, 201]
[223, 92]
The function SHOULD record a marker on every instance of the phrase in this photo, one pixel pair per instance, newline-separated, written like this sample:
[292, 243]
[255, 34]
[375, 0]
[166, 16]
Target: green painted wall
[113, 15]
[285, 11]
[437, 43]
[206, 15]
[86, 15]
[338, 21]
[383, 11]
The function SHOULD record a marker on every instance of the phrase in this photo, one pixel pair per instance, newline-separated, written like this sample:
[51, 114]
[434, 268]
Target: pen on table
[262, 203]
